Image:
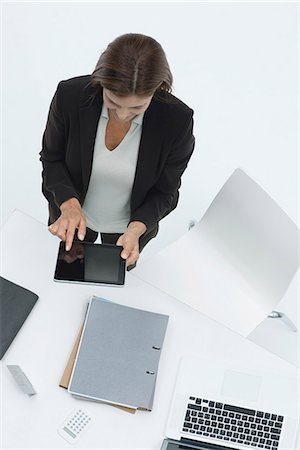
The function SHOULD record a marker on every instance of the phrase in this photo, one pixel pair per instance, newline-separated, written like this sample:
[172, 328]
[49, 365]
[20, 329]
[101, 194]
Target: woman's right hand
[71, 218]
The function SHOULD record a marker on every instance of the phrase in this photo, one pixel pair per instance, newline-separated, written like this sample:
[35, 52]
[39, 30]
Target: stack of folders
[118, 355]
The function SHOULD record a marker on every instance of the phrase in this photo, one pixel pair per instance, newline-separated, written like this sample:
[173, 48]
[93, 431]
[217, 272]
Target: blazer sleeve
[57, 185]
[162, 198]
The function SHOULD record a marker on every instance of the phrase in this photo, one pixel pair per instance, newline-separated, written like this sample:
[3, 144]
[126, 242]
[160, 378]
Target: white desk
[43, 345]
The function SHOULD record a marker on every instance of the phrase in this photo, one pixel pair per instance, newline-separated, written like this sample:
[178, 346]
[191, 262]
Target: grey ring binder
[118, 356]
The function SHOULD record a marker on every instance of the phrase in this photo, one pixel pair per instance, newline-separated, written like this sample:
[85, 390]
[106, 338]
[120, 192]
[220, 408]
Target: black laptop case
[16, 303]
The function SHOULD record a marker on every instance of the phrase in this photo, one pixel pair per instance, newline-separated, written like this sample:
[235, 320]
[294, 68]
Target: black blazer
[166, 146]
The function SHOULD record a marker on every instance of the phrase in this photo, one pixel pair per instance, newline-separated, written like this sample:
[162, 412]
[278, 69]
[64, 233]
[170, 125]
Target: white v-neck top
[107, 202]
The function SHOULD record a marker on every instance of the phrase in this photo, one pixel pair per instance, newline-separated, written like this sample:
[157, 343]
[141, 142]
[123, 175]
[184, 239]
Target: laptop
[217, 405]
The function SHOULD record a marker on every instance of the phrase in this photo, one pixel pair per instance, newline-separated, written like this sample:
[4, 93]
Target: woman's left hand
[130, 242]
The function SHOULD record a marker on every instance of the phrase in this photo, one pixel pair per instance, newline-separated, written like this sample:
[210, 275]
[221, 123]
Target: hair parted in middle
[133, 64]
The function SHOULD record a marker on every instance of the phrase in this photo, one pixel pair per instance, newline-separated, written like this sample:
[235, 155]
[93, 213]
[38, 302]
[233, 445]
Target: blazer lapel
[89, 115]
[150, 152]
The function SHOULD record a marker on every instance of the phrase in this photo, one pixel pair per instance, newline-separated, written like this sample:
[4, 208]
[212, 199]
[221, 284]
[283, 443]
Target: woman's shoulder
[76, 91]
[78, 82]
[171, 103]
[75, 85]
[172, 106]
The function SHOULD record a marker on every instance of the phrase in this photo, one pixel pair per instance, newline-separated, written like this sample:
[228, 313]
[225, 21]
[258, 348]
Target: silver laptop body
[217, 404]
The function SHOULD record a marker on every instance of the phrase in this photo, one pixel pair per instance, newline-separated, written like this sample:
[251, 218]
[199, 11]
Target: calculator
[74, 426]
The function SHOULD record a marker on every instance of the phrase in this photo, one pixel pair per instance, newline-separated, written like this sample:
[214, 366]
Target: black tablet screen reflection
[87, 262]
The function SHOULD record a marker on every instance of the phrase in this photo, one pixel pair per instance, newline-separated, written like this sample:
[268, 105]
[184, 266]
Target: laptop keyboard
[232, 423]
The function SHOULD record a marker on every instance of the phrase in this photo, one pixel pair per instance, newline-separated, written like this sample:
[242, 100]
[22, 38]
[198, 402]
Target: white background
[234, 63]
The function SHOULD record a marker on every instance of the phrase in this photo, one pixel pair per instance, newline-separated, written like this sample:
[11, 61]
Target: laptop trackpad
[241, 385]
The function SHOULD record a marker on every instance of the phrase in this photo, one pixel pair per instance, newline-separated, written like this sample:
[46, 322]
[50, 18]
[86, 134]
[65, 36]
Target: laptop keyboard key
[275, 437]
[194, 407]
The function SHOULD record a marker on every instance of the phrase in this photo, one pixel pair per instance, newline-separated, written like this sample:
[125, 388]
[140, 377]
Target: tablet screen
[90, 263]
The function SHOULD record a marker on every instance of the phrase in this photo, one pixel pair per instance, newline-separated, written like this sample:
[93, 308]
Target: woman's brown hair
[133, 64]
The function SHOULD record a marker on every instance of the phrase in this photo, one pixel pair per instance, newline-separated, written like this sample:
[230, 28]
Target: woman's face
[125, 109]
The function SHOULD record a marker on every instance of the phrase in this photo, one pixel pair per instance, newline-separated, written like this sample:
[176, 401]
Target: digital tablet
[90, 263]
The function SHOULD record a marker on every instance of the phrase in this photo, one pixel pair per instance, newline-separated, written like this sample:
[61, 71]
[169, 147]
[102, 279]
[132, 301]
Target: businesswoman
[115, 147]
